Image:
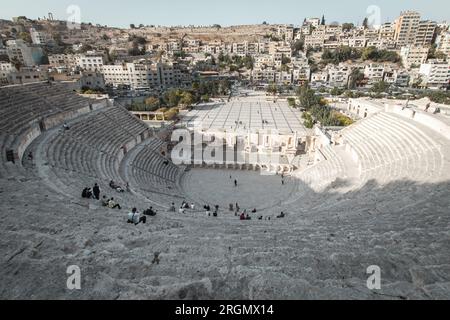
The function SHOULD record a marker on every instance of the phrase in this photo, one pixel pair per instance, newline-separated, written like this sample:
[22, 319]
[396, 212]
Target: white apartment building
[26, 55]
[315, 22]
[144, 75]
[6, 68]
[387, 32]
[92, 80]
[315, 40]
[283, 77]
[301, 74]
[263, 76]
[425, 33]
[435, 74]
[286, 32]
[374, 72]
[319, 77]
[338, 75]
[413, 56]
[406, 27]
[63, 60]
[444, 43]
[90, 62]
[38, 37]
[263, 61]
[355, 42]
[245, 48]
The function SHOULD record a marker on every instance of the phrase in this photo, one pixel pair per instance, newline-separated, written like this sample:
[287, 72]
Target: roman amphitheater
[373, 194]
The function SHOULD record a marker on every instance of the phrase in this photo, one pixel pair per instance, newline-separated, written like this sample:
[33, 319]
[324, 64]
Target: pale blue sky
[224, 12]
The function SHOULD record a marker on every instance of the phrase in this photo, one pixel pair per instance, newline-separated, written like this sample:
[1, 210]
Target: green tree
[366, 23]
[380, 87]
[347, 26]
[272, 89]
[355, 78]
[187, 98]
[307, 97]
[292, 102]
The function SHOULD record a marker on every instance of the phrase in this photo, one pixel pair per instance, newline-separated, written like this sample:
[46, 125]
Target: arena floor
[247, 111]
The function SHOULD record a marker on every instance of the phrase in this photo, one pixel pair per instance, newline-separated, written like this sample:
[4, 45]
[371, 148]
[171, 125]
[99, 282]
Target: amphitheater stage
[211, 186]
[249, 111]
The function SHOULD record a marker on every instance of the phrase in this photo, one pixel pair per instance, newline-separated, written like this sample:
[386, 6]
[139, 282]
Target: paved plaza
[252, 112]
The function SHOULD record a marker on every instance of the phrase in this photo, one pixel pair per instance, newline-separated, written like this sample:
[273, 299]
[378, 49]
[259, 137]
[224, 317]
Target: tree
[132, 26]
[153, 103]
[355, 77]
[187, 99]
[272, 89]
[336, 91]
[307, 97]
[25, 36]
[298, 46]
[323, 20]
[172, 98]
[291, 102]
[366, 23]
[285, 60]
[380, 87]
[347, 26]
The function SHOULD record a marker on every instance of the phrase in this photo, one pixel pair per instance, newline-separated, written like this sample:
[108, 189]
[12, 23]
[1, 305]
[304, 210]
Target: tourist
[150, 212]
[65, 126]
[84, 193]
[192, 206]
[135, 217]
[181, 211]
[87, 193]
[116, 187]
[105, 201]
[231, 207]
[247, 217]
[172, 208]
[235, 183]
[96, 191]
[260, 217]
[282, 215]
[113, 205]
[156, 258]
[217, 207]
[30, 156]
[242, 216]
[254, 210]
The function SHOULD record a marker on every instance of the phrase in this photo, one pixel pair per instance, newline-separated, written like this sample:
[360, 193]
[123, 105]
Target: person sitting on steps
[87, 193]
[113, 205]
[113, 185]
[105, 201]
[135, 217]
[150, 212]
[282, 215]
